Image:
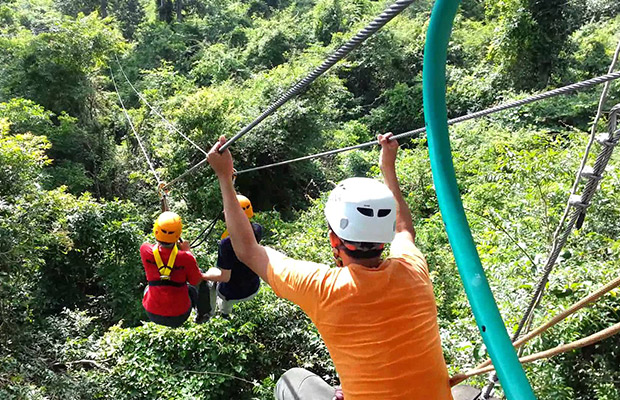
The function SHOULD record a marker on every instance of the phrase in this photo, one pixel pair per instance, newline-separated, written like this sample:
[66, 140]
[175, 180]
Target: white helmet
[362, 210]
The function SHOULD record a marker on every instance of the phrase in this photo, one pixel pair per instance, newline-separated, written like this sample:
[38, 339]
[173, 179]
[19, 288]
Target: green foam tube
[492, 328]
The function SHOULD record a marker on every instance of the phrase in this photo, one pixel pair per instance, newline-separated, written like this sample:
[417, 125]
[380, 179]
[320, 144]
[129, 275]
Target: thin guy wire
[453, 121]
[342, 52]
[184, 174]
[148, 161]
[170, 124]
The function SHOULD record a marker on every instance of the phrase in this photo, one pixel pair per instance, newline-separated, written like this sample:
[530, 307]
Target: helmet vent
[365, 211]
[344, 223]
[384, 212]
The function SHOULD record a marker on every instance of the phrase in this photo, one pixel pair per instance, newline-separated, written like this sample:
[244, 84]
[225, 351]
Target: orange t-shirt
[379, 324]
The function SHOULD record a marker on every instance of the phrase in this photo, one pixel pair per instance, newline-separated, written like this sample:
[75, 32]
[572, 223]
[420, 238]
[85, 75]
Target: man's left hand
[184, 245]
[389, 148]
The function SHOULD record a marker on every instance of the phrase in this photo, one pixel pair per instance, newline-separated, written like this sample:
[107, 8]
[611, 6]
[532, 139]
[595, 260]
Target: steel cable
[133, 129]
[528, 316]
[478, 114]
[385, 17]
[170, 124]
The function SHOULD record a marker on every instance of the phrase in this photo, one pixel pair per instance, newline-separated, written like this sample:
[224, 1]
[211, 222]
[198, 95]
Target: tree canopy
[77, 198]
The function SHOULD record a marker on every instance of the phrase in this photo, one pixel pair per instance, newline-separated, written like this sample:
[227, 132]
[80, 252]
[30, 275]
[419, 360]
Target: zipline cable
[342, 52]
[380, 21]
[148, 161]
[170, 124]
[578, 207]
[518, 103]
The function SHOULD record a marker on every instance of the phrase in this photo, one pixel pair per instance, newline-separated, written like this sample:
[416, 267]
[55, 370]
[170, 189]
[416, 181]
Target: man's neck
[365, 262]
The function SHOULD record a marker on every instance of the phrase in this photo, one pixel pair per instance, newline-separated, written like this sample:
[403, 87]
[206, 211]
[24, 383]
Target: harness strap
[165, 270]
[167, 283]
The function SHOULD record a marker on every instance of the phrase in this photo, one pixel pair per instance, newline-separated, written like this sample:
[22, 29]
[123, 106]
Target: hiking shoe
[201, 319]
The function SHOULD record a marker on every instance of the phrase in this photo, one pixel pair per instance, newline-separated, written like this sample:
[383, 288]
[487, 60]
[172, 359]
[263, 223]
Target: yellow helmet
[245, 204]
[168, 227]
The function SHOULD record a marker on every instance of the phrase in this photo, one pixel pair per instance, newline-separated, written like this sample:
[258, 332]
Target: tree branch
[501, 228]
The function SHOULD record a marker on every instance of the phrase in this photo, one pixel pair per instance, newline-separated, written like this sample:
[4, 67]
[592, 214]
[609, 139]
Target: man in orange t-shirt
[378, 318]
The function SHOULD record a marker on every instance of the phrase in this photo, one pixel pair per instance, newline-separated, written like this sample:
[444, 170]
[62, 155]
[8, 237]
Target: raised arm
[246, 247]
[387, 162]
[217, 275]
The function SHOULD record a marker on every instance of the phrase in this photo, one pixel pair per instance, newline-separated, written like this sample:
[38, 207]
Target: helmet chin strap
[337, 247]
[337, 258]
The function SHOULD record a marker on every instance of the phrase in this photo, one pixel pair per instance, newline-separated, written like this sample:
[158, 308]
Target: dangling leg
[301, 384]
[203, 308]
[213, 296]
[224, 305]
[193, 295]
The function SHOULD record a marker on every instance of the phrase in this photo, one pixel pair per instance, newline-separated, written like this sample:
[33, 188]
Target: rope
[202, 236]
[577, 344]
[170, 124]
[148, 161]
[591, 298]
[518, 103]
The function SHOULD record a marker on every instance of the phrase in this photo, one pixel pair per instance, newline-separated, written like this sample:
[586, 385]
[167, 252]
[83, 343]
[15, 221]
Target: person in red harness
[169, 267]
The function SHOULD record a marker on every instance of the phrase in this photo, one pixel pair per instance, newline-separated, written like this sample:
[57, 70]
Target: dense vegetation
[77, 198]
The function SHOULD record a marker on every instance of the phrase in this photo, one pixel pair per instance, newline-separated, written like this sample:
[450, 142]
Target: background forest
[77, 198]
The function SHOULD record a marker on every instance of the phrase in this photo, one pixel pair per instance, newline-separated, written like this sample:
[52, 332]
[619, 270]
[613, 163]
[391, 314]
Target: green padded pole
[488, 318]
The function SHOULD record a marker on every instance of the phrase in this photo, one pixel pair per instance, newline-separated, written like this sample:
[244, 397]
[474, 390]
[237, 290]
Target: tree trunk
[179, 4]
[165, 10]
[104, 8]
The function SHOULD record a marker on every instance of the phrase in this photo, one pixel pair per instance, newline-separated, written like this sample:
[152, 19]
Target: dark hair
[363, 250]
[360, 250]
[166, 244]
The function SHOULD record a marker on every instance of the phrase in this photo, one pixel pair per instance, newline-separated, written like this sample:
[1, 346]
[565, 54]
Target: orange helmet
[245, 204]
[168, 227]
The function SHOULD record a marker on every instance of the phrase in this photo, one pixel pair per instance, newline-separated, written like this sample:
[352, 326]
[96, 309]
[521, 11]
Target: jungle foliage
[77, 198]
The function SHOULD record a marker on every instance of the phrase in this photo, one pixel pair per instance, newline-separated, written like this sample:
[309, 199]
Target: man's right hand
[222, 163]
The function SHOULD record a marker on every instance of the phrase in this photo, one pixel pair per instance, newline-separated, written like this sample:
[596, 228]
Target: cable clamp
[162, 191]
[575, 201]
[606, 140]
[588, 173]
